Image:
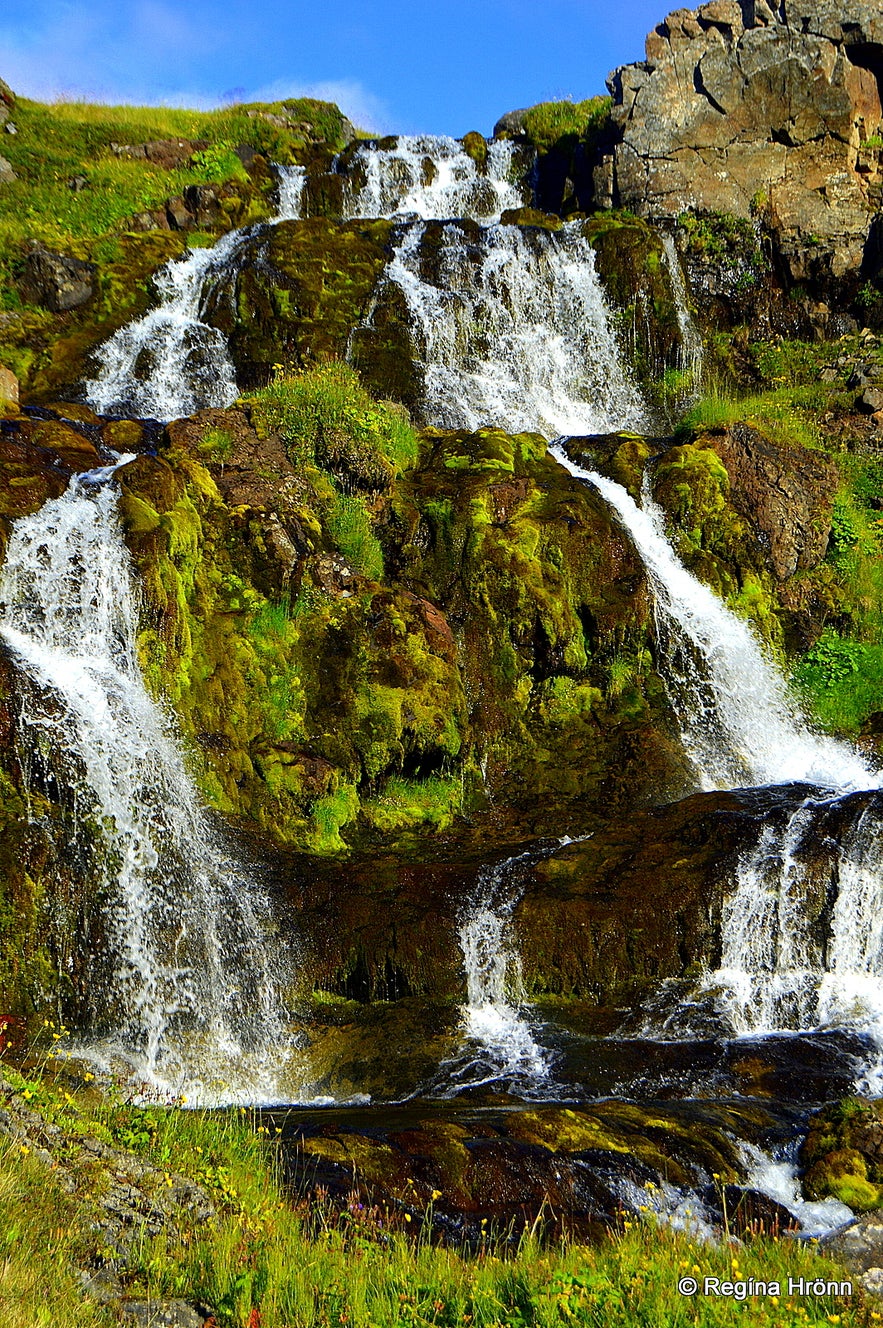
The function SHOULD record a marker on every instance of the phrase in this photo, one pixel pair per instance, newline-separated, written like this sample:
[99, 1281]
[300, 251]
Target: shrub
[550, 121]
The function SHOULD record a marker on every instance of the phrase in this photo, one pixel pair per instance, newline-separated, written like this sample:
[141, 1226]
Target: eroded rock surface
[744, 109]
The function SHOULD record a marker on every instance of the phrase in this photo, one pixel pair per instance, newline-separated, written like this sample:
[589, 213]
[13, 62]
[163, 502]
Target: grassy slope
[269, 1260]
[841, 676]
[54, 144]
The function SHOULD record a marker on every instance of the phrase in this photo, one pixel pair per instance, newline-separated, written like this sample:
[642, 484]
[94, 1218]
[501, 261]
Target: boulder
[178, 214]
[169, 153]
[7, 101]
[8, 387]
[738, 109]
[57, 281]
[511, 125]
[7, 174]
[786, 495]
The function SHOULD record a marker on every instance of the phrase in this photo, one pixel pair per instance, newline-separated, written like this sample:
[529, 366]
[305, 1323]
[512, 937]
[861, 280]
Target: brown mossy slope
[476, 628]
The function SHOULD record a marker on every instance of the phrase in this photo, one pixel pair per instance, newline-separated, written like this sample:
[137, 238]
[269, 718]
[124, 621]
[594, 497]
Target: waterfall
[169, 363]
[499, 1045]
[782, 968]
[511, 329]
[186, 989]
[433, 177]
[739, 725]
[691, 342]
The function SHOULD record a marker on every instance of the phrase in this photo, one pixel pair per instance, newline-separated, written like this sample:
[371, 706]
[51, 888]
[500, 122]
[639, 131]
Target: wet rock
[300, 294]
[860, 1247]
[8, 388]
[203, 201]
[179, 216]
[751, 1213]
[842, 1154]
[511, 125]
[57, 281]
[785, 493]
[460, 1170]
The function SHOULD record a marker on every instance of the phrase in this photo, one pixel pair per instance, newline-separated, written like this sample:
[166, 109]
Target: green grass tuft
[551, 121]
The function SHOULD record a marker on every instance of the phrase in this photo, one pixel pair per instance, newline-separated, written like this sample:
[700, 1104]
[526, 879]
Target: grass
[786, 415]
[327, 418]
[57, 142]
[282, 1262]
[547, 123]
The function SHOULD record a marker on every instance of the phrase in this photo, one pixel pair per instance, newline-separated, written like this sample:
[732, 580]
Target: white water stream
[512, 330]
[169, 363]
[499, 1042]
[738, 722]
[778, 971]
[184, 985]
[431, 176]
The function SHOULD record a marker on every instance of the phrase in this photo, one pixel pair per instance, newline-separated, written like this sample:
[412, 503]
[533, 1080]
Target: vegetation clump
[550, 122]
[239, 1245]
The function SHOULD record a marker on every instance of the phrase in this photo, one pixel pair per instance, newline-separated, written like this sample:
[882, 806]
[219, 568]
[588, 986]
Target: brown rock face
[8, 387]
[785, 494]
[739, 108]
[57, 281]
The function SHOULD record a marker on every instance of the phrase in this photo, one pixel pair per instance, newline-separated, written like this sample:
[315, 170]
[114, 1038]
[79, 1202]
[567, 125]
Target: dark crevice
[699, 85]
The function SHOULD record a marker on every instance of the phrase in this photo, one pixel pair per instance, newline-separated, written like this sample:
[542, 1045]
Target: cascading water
[511, 329]
[691, 342]
[433, 177]
[739, 725]
[499, 1044]
[782, 968]
[169, 363]
[187, 987]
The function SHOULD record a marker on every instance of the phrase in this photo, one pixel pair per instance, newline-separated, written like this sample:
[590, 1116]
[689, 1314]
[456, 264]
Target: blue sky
[394, 65]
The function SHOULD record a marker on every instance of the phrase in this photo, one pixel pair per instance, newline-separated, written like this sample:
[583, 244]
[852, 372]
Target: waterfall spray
[187, 987]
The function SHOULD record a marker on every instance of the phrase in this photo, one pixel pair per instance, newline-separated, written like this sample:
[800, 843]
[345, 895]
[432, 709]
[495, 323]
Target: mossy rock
[528, 216]
[475, 146]
[447, 1165]
[633, 267]
[842, 1154]
[298, 294]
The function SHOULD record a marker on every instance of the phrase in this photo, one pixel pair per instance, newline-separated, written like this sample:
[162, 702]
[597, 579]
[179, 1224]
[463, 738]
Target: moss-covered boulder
[391, 656]
[297, 296]
[842, 1154]
[464, 1171]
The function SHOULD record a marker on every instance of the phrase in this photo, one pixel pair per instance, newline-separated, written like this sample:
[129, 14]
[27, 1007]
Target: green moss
[327, 418]
[550, 122]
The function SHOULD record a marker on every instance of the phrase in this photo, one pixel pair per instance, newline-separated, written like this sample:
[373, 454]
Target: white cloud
[148, 53]
[357, 103]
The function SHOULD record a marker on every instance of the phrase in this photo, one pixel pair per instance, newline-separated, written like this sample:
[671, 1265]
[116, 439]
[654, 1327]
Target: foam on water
[431, 176]
[170, 363]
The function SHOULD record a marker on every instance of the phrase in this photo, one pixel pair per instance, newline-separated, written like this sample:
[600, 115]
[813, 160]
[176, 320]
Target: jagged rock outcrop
[7, 101]
[744, 109]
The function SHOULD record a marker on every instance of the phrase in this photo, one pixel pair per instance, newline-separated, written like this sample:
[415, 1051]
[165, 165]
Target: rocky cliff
[756, 111]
